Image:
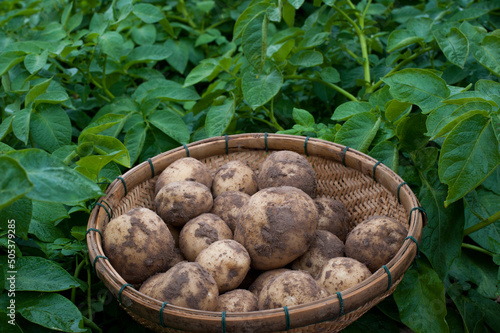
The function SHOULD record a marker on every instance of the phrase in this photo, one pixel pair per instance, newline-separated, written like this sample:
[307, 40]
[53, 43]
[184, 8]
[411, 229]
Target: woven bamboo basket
[364, 185]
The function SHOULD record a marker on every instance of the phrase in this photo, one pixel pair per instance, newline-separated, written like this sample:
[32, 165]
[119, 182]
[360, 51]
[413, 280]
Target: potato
[186, 284]
[186, 168]
[263, 278]
[227, 206]
[276, 226]
[375, 241]
[333, 217]
[287, 168]
[341, 273]
[324, 246]
[138, 244]
[176, 258]
[234, 176]
[227, 261]
[290, 288]
[179, 202]
[200, 232]
[237, 300]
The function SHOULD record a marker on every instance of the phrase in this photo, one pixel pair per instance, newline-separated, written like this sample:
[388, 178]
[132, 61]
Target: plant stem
[105, 88]
[484, 223]
[477, 248]
[91, 324]
[77, 272]
[331, 85]
[89, 292]
[271, 116]
[398, 66]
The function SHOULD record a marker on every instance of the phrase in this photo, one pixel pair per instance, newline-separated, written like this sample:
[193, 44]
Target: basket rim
[263, 141]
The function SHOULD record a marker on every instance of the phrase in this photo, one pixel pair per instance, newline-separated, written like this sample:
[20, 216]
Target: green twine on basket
[341, 301]
[344, 152]
[161, 314]
[287, 318]
[124, 184]
[223, 320]
[305, 146]
[121, 290]
[152, 167]
[399, 188]
[95, 260]
[93, 229]
[389, 277]
[374, 168]
[187, 149]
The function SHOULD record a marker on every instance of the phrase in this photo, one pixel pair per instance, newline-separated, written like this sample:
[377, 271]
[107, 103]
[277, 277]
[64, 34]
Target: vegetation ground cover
[90, 88]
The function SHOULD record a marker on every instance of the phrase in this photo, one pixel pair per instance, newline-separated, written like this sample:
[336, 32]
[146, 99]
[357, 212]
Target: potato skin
[324, 247]
[198, 233]
[333, 217]
[234, 176]
[263, 278]
[227, 206]
[341, 273]
[287, 168]
[186, 168]
[290, 288]
[178, 202]
[276, 226]
[375, 241]
[227, 261]
[186, 284]
[237, 300]
[138, 244]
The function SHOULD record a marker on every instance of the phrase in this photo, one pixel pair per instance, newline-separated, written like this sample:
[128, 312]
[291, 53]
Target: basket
[363, 184]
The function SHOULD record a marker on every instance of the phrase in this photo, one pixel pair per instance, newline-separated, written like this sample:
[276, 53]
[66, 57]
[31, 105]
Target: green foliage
[91, 88]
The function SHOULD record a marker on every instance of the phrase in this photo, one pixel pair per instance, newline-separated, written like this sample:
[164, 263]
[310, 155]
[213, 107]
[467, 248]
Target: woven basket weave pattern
[354, 186]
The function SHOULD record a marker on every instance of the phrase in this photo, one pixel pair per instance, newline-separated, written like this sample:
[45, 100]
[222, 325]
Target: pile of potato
[241, 241]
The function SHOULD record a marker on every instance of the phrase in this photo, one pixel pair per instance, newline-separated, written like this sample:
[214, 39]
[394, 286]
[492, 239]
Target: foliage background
[90, 88]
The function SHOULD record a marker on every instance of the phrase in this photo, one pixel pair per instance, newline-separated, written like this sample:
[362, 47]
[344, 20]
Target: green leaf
[107, 145]
[200, 72]
[402, 38]
[9, 60]
[147, 12]
[254, 41]
[21, 124]
[479, 270]
[480, 205]
[425, 158]
[134, 140]
[173, 91]
[49, 211]
[180, 54]
[279, 52]
[454, 45]
[421, 300]
[488, 54]
[468, 155]
[259, 88]
[219, 117]
[348, 109]
[6, 127]
[442, 237]
[248, 15]
[111, 44]
[5, 148]
[307, 58]
[53, 181]
[418, 86]
[50, 127]
[145, 35]
[90, 166]
[36, 91]
[39, 274]
[171, 124]
[358, 131]
[147, 53]
[296, 3]
[387, 153]
[205, 6]
[329, 74]
[14, 183]
[411, 132]
[35, 62]
[396, 110]
[20, 211]
[303, 117]
[50, 310]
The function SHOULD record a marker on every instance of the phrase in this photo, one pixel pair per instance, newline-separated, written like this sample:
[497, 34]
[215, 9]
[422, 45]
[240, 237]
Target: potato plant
[90, 88]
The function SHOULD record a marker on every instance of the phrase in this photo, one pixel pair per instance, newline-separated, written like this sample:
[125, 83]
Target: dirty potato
[339, 274]
[237, 300]
[186, 168]
[333, 217]
[234, 176]
[227, 206]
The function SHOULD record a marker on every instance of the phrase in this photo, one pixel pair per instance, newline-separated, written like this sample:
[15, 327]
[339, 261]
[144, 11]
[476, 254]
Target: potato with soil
[324, 247]
[341, 273]
[234, 176]
[227, 261]
[290, 288]
[287, 168]
[227, 206]
[333, 217]
[276, 226]
[237, 300]
[186, 284]
[138, 244]
[179, 202]
[184, 169]
[200, 232]
[375, 241]
[263, 278]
